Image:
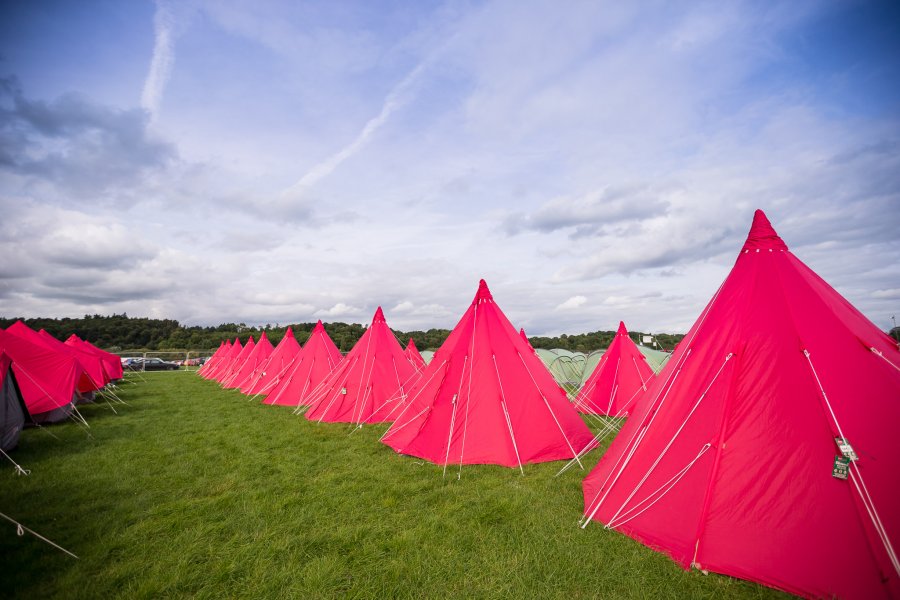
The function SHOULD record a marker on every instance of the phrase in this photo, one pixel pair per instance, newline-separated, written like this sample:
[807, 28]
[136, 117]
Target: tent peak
[379, 316]
[762, 235]
[483, 292]
[621, 330]
[289, 332]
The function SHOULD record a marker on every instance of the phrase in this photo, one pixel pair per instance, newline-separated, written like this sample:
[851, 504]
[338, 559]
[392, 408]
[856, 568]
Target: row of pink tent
[764, 450]
[43, 378]
[442, 411]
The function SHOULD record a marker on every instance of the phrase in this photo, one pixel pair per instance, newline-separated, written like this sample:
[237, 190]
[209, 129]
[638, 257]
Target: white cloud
[572, 303]
[336, 155]
[339, 310]
[892, 294]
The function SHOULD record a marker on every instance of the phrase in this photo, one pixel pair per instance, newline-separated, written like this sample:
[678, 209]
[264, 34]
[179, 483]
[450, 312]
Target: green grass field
[194, 491]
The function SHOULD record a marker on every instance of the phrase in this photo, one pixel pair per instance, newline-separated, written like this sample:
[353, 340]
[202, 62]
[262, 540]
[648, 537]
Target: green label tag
[841, 468]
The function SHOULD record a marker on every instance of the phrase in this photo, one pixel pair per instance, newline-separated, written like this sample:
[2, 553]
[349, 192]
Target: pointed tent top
[762, 235]
[411, 345]
[263, 336]
[621, 330]
[379, 317]
[319, 327]
[288, 333]
[237, 340]
[483, 293]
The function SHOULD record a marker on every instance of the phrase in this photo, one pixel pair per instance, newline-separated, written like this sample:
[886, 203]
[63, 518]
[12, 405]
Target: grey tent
[13, 412]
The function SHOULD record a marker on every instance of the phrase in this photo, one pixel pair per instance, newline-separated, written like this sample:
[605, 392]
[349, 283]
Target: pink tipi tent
[275, 366]
[311, 365]
[222, 350]
[228, 370]
[618, 381]
[767, 447]
[252, 363]
[486, 398]
[226, 361]
[373, 371]
[412, 353]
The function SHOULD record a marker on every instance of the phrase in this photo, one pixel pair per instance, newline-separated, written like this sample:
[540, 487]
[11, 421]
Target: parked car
[129, 361]
[152, 364]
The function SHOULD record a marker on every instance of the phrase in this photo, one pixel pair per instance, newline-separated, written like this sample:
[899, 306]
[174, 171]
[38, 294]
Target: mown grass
[194, 491]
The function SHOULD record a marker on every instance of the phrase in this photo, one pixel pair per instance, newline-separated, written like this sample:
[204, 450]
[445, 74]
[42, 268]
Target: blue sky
[266, 162]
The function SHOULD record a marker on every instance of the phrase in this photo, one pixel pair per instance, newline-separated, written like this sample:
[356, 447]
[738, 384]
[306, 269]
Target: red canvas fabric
[412, 353]
[214, 360]
[373, 371]
[227, 359]
[618, 381]
[275, 366]
[90, 376]
[91, 362]
[235, 363]
[112, 364]
[525, 337]
[311, 365]
[253, 363]
[486, 398]
[727, 463]
[46, 378]
[95, 364]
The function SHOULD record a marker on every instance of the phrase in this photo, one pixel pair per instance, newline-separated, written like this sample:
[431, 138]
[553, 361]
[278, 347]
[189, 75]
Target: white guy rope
[337, 393]
[668, 485]
[19, 469]
[861, 487]
[450, 433]
[614, 386]
[552, 414]
[883, 357]
[674, 437]
[21, 529]
[471, 364]
[506, 414]
[641, 377]
[638, 435]
[873, 515]
[412, 400]
[634, 442]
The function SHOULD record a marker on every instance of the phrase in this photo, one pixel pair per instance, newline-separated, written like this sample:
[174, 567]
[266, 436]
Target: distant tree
[131, 333]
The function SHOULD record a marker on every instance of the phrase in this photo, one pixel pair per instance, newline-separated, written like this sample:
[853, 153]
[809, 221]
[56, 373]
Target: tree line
[118, 333]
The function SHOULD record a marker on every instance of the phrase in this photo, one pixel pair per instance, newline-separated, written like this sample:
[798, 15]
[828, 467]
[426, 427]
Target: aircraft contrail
[163, 58]
[395, 99]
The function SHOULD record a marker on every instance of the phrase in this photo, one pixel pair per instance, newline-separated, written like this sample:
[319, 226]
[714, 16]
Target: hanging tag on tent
[841, 468]
[344, 391]
[846, 448]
